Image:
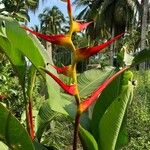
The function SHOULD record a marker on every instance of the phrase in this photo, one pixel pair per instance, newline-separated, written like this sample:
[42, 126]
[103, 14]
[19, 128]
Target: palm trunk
[112, 46]
[144, 27]
[49, 49]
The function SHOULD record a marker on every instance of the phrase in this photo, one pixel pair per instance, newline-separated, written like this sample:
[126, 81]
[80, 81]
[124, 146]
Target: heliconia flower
[70, 89]
[84, 53]
[84, 105]
[80, 25]
[65, 70]
[55, 39]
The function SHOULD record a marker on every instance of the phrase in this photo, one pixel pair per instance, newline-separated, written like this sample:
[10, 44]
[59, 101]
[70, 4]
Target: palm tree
[51, 22]
[111, 17]
[108, 13]
[19, 8]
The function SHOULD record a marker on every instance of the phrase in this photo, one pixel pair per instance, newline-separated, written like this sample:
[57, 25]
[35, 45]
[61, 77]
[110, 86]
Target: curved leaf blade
[12, 132]
[43, 119]
[91, 79]
[141, 56]
[111, 122]
[54, 100]
[104, 101]
[3, 146]
[15, 56]
[20, 41]
[87, 140]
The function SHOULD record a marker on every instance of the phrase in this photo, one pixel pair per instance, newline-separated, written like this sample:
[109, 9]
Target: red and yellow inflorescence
[78, 55]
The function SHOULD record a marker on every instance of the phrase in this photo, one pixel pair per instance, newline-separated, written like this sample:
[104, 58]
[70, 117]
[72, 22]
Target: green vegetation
[72, 89]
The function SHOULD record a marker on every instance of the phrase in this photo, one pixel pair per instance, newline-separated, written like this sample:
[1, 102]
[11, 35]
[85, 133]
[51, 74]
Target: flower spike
[80, 25]
[65, 70]
[70, 89]
[69, 7]
[55, 39]
[84, 105]
[84, 53]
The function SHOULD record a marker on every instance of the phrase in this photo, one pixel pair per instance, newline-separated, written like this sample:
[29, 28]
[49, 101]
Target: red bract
[55, 39]
[66, 70]
[70, 89]
[84, 53]
[84, 105]
[79, 25]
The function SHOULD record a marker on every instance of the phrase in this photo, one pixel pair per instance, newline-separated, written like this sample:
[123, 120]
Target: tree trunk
[112, 46]
[49, 49]
[144, 27]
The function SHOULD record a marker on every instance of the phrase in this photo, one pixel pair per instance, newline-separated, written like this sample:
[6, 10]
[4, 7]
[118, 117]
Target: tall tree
[144, 27]
[111, 17]
[51, 22]
[19, 8]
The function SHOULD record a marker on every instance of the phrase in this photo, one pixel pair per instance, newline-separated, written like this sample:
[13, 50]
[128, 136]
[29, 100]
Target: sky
[48, 3]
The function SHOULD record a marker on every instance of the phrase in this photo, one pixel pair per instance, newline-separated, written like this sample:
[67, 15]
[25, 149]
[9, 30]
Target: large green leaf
[54, 99]
[91, 79]
[13, 54]
[70, 107]
[104, 101]
[39, 146]
[87, 140]
[45, 116]
[20, 41]
[12, 132]
[142, 56]
[123, 137]
[3, 146]
[87, 82]
[111, 122]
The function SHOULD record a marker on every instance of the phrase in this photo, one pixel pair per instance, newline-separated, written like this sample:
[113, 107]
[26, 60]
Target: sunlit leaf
[84, 105]
[12, 132]
[111, 122]
[87, 140]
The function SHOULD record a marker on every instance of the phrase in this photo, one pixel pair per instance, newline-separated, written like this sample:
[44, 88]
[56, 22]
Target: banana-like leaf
[45, 116]
[39, 146]
[104, 101]
[3, 146]
[12, 133]
[87, 140]
[54, 99]
[16, 43]
[141, 56]
[91, 79]
[20, 41]
[111, 122]
[123, 137]
[87, 83]
[14, 55]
